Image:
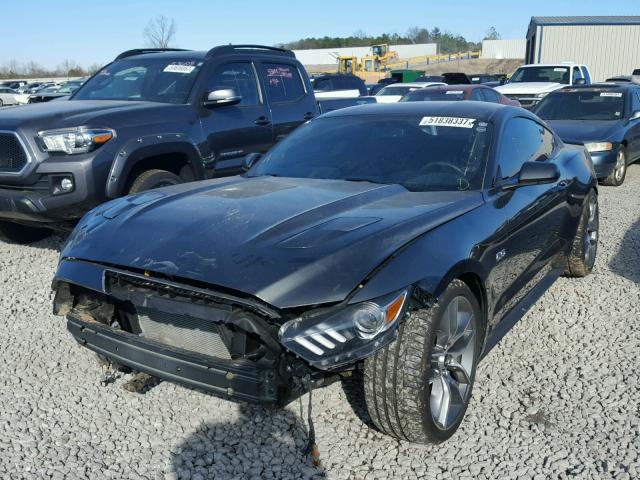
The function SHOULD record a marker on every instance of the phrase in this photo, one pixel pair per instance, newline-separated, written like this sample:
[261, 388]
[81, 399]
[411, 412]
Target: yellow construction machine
[372, 67]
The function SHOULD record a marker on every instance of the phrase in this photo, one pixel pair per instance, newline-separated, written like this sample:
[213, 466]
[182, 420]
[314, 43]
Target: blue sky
[94, 32]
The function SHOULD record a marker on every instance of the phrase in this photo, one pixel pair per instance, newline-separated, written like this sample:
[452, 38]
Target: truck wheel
[153, 179]
[418, 388]
[22, 234]
[585, 243]
[619, 171]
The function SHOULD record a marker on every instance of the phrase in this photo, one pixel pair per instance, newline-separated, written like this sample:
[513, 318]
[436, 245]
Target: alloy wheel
[591, 232]
[452, 362]
[621, 166]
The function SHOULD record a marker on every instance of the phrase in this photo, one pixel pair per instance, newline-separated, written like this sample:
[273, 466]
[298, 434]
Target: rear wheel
[22, 234]
[418, 388]
[585, 244]
[619, 171]
[153, 179]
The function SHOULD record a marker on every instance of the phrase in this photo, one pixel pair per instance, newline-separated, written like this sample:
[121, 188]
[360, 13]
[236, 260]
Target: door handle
[262, 121]
[309, 115]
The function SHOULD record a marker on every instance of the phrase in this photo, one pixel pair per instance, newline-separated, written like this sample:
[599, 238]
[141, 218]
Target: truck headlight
[542, 95]
[75, 140]
[598, 146]
[336, 336]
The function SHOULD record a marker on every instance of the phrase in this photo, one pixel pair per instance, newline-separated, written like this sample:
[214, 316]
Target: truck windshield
[541, 74]
[419, 153]
[582, 105]
[151, 79]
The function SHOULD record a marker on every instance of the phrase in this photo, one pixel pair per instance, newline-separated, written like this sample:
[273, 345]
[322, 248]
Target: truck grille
[181, 331]
[13, 158]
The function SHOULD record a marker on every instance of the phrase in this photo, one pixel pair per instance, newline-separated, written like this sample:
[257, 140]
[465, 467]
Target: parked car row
[400, 241]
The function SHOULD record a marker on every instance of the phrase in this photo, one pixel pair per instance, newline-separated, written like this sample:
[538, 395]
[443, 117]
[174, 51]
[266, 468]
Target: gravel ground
[557, 398]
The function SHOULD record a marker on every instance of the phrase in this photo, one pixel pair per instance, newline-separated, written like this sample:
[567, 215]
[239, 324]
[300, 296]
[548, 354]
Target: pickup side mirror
[250, 160]
[580, 81]
[533, 173]
[635, 115]
[221, 97]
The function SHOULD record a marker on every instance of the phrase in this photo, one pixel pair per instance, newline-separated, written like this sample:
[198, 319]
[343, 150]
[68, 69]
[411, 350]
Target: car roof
[414, 84]
[465, 87]
[478, 110]
[596, 87]
[172, 55]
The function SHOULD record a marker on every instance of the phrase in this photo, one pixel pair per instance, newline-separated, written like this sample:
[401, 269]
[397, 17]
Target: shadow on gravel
[626, 262]
[353, 388]
[261, 443]
[55, 242]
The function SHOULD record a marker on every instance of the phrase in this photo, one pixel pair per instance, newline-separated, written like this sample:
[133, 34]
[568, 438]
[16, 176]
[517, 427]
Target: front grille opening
[13, 158]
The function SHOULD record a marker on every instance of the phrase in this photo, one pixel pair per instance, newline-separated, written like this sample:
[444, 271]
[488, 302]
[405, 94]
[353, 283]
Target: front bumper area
[239, 380]
[604, 162]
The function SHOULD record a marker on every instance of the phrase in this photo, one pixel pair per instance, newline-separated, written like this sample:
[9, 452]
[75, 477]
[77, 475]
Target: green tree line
[447, 42]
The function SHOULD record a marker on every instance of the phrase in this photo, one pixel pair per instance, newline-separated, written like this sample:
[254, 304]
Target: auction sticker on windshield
[179, 68]
[447, 122]
[611, 94]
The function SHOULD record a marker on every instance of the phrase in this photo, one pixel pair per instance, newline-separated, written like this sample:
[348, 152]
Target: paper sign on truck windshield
[447, 122]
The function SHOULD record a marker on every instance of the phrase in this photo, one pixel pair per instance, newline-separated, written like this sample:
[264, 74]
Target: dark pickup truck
[149, 119]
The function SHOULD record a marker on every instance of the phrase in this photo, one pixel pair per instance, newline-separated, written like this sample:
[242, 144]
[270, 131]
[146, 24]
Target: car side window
[476, 94]
[576, 74]
[585, 74]
[490, 95]
[240, 77]
[283, 82]
[523, 141]
[322, 85]
[635, 101]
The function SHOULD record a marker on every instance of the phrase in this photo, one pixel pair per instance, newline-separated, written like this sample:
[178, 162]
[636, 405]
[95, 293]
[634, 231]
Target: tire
[582, 257]
[153, 179]
[616, 178]
[404, 381]
[1, 103]
[22, 234]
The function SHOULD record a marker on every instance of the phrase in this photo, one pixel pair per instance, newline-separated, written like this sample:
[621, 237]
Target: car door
[286, 92]
[535, 214]
[233, 131]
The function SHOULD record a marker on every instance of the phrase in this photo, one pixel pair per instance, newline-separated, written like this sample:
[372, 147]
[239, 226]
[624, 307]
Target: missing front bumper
[239, 380]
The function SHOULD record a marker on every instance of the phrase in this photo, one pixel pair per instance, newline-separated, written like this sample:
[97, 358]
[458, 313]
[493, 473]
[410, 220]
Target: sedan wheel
[582, 257]
[616, 178]
[452, 360]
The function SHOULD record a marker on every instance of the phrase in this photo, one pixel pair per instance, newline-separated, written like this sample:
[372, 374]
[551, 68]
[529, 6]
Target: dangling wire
[312, 446]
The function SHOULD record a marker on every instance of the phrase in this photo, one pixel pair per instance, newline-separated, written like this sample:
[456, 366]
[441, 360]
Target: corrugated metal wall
[514, 48]
[606, 49]
[328, 56]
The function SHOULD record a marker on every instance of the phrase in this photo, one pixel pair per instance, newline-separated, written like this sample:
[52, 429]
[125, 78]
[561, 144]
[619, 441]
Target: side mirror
[250, 160]
[533, 173]
[635, 115]
[580, 81]
[224, 96]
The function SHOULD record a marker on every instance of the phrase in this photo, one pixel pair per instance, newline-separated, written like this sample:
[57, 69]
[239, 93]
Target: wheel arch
[173, 153]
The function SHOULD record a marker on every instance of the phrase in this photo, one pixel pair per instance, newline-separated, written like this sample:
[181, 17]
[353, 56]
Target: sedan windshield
[582, 105]
[541, 74]
[395, 90]
[150, 79]
[419, 153]
[424, 94]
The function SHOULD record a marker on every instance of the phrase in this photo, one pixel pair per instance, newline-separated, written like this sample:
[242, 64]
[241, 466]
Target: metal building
[514, 48]
[607, 45]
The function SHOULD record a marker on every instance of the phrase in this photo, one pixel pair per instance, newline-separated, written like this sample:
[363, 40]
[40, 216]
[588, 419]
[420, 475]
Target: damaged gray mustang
[392, 243]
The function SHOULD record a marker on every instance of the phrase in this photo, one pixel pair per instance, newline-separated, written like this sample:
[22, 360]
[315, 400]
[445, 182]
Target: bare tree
[68, 68]
[492, 34]
[160, 32]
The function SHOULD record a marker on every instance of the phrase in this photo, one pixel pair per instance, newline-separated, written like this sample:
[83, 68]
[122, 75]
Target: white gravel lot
[557, 398]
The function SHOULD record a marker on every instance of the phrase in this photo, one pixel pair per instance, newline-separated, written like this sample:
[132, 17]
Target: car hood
[528, 88]
[290, 242]
[581, 131]
[102, 113]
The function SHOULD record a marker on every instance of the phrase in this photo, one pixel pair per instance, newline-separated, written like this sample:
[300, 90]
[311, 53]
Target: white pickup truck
[531, 83]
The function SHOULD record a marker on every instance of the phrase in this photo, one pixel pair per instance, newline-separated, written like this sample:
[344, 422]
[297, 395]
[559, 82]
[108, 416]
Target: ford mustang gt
[399, 242]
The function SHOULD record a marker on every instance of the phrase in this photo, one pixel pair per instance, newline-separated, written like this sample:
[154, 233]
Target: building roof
[586, 20]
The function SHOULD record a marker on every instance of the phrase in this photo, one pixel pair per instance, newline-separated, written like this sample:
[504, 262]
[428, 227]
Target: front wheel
[616, 178]
[22, 234]
[419, 387]
[153, 179]
[582, 257]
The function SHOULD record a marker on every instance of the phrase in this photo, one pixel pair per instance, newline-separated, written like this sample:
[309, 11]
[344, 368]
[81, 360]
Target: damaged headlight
[334, 337]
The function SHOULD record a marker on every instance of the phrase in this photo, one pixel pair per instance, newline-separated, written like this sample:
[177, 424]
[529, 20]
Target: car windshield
[49, 90]
[136, 79]
[541, 74]
[582, 105]
[424, 94]
[395, 90]
[418, 152]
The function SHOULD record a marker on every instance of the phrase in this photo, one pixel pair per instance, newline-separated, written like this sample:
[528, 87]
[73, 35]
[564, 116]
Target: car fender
[143, 147]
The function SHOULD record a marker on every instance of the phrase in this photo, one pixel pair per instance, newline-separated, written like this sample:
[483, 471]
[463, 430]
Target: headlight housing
[337, 336]
[75, 140]
[598, 146]
[542, 95]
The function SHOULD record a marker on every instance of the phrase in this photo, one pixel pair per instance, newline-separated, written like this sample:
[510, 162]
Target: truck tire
[585, 244]
[418, 387]
[619, 171]
[153, 179]
[22, 234]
